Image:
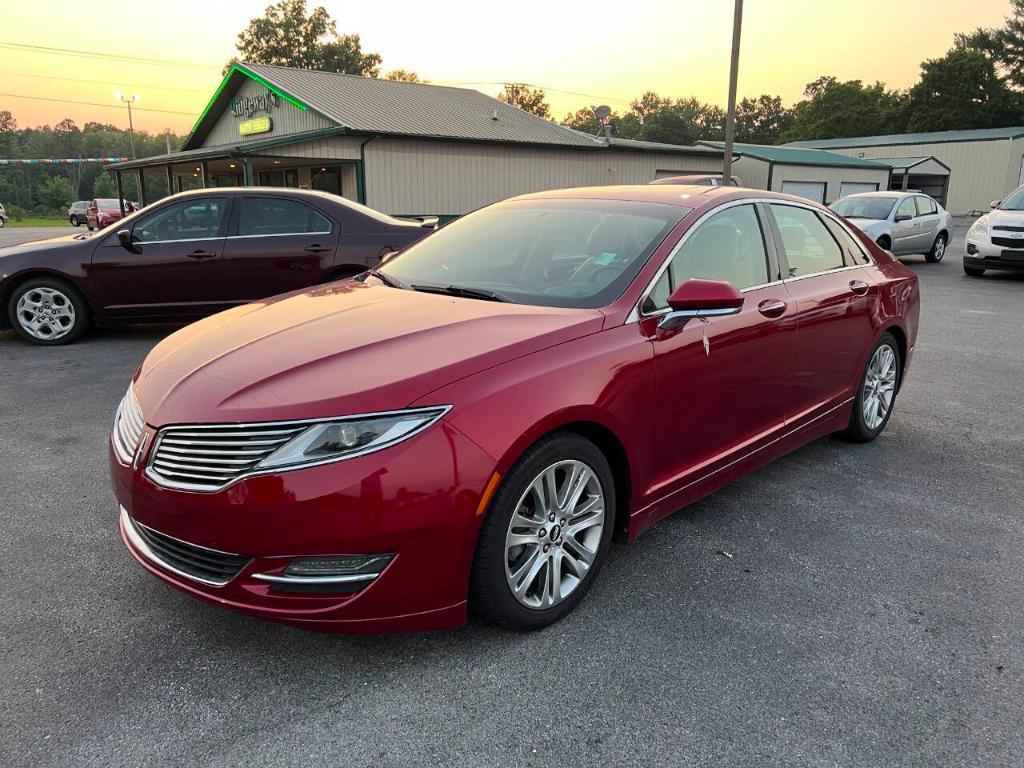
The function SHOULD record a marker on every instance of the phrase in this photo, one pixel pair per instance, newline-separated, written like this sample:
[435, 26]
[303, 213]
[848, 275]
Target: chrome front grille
[210, 457]
[128, 426]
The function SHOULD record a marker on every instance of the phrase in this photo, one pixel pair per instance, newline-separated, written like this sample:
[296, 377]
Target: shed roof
[934, 137]
[906, 163]
[796, 156]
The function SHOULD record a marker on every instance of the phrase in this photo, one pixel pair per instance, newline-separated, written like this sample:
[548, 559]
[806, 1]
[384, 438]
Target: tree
[288, 37]
[1004, 46]
[104, 186]
[404, 75]
[959, 91]
[837, 110]
[55, 195]
[762, 120]
[526, 98]
[586, 121]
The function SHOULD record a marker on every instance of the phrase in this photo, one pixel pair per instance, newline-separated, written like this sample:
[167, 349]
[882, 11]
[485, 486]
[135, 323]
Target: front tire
[546, 534]
[74, 221]
[48, 312]
[938, 250]
[876, 392]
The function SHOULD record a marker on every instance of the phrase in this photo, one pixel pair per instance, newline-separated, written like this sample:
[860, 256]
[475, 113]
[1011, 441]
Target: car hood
[865, 224]
[50, 244]
[998, 218]
[341, 349]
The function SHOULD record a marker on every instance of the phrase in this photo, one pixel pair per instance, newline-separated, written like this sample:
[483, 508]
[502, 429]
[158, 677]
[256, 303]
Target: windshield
[864, 207]
[556, 253]
[1014, 201]
[108, 205]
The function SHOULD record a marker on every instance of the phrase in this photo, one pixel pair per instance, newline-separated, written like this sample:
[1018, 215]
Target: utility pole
[730, 115]
[129, 100]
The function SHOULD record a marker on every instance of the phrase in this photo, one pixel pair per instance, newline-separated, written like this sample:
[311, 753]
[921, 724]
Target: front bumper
[982, 253]
[416, 501]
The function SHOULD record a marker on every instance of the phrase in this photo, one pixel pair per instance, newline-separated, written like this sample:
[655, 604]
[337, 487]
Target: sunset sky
[584, 53]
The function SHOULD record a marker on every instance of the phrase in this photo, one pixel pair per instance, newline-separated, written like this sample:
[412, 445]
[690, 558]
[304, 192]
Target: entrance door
[172, 273]
[729, 396]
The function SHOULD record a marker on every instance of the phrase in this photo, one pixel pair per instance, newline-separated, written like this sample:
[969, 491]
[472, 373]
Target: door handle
[859, 287]
[201, 255]
[316, 248]
[772, 307]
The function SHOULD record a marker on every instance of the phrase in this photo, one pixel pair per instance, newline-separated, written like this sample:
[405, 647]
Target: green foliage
[55, 195]
[525, 98]
[1004, 45]
[105, 186]
[404, 75]
[959, 91]
[836, 109]
[763, 120]
[287, 36]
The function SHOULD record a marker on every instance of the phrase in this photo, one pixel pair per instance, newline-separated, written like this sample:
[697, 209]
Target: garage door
[853, 187]
[812, 190]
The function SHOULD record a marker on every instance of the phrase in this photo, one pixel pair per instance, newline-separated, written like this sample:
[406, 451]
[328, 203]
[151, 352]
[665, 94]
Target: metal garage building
[403, 148]
[980, 165]
[817, 175]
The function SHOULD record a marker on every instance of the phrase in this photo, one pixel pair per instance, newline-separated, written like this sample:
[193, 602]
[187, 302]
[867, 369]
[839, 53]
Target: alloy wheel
[879, 386]
[554, 534]
[45, 313]
[940, 249]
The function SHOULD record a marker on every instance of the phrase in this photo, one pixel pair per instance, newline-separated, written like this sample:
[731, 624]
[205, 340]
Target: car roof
[882, 193]
[683, 195]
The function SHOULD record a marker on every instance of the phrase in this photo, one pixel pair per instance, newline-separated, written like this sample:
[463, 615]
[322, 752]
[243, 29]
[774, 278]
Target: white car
[900, 222]
[996, 240]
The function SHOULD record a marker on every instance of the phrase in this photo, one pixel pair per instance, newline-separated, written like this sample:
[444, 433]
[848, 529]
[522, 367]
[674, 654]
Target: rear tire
[934, 256]
[75, 222]
[973, 272]
[876, 392]
[563, 550]
[48, 311]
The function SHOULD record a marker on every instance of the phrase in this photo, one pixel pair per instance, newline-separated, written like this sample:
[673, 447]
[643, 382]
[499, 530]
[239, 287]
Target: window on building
[808, 245]
[278, 216]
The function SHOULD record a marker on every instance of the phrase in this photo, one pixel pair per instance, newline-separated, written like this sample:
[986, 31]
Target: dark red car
[102, 212]
[473, 423]
[191, 255]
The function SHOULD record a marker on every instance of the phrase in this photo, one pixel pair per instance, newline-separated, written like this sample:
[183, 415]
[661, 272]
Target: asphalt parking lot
[871, 612]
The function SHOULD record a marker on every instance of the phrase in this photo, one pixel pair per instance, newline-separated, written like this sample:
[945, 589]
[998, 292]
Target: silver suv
[900, 222]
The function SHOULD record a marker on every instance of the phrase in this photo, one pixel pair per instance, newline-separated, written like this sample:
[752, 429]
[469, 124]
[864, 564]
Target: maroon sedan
[190, 255]
[473, 423]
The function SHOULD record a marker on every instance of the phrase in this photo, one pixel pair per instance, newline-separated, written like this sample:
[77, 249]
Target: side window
[907, 208]
[278, 216]
[854, 250]
[925, 206]
[191, 220]
[809, 246]
[728, 246]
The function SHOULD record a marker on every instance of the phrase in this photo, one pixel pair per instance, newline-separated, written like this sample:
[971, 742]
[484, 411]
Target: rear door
[728, 394]
[905, 236]
[834, 300]
[276, 244]
[172, 270]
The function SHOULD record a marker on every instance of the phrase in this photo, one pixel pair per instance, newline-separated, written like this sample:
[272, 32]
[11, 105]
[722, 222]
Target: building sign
[247, 106]
[254, 126]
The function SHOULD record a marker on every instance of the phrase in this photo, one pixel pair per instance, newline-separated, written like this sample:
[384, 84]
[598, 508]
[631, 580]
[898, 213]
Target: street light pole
[730, 115]
[129, 100]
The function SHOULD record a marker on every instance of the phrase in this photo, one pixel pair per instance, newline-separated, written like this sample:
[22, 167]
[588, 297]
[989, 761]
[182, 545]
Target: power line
[93, 104]
[108, 56]
[96, 82]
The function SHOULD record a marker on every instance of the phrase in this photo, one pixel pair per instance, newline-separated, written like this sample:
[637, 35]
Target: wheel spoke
[582, 523]
[525, 575]
[577, 485]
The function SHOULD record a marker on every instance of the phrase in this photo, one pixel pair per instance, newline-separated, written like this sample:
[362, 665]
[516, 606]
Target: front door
[172, 269]
[834, 298]
[277, 244]
[905, 233]
[927, 222]
[721, 384]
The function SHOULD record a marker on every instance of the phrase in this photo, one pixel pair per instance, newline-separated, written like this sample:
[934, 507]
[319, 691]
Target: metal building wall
[980, 171]
[831, 175]
[286, 119]
[410, 176]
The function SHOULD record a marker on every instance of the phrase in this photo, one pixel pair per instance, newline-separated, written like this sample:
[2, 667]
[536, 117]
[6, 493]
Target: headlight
[346, 438]
[980, 227]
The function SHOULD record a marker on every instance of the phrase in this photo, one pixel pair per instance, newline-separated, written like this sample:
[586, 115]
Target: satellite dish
[603, 112]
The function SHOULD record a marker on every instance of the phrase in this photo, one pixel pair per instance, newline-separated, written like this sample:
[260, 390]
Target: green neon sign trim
[252, 76]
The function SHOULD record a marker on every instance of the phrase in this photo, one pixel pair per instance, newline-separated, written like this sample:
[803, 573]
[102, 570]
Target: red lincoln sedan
[469, 425]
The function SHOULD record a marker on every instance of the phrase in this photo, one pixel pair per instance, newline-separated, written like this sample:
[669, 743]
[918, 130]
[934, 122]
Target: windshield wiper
[388, 280]
[464, 291]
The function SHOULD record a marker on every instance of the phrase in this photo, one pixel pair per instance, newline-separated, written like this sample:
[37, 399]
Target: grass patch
[35, 222]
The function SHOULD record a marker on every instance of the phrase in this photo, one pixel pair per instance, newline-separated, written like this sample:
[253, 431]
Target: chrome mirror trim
[678, 317]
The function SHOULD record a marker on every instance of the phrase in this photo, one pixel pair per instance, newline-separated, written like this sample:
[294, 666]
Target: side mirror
[387, 254]
[701, 298]
[124, 237]
[902, 217]
[994, 204]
